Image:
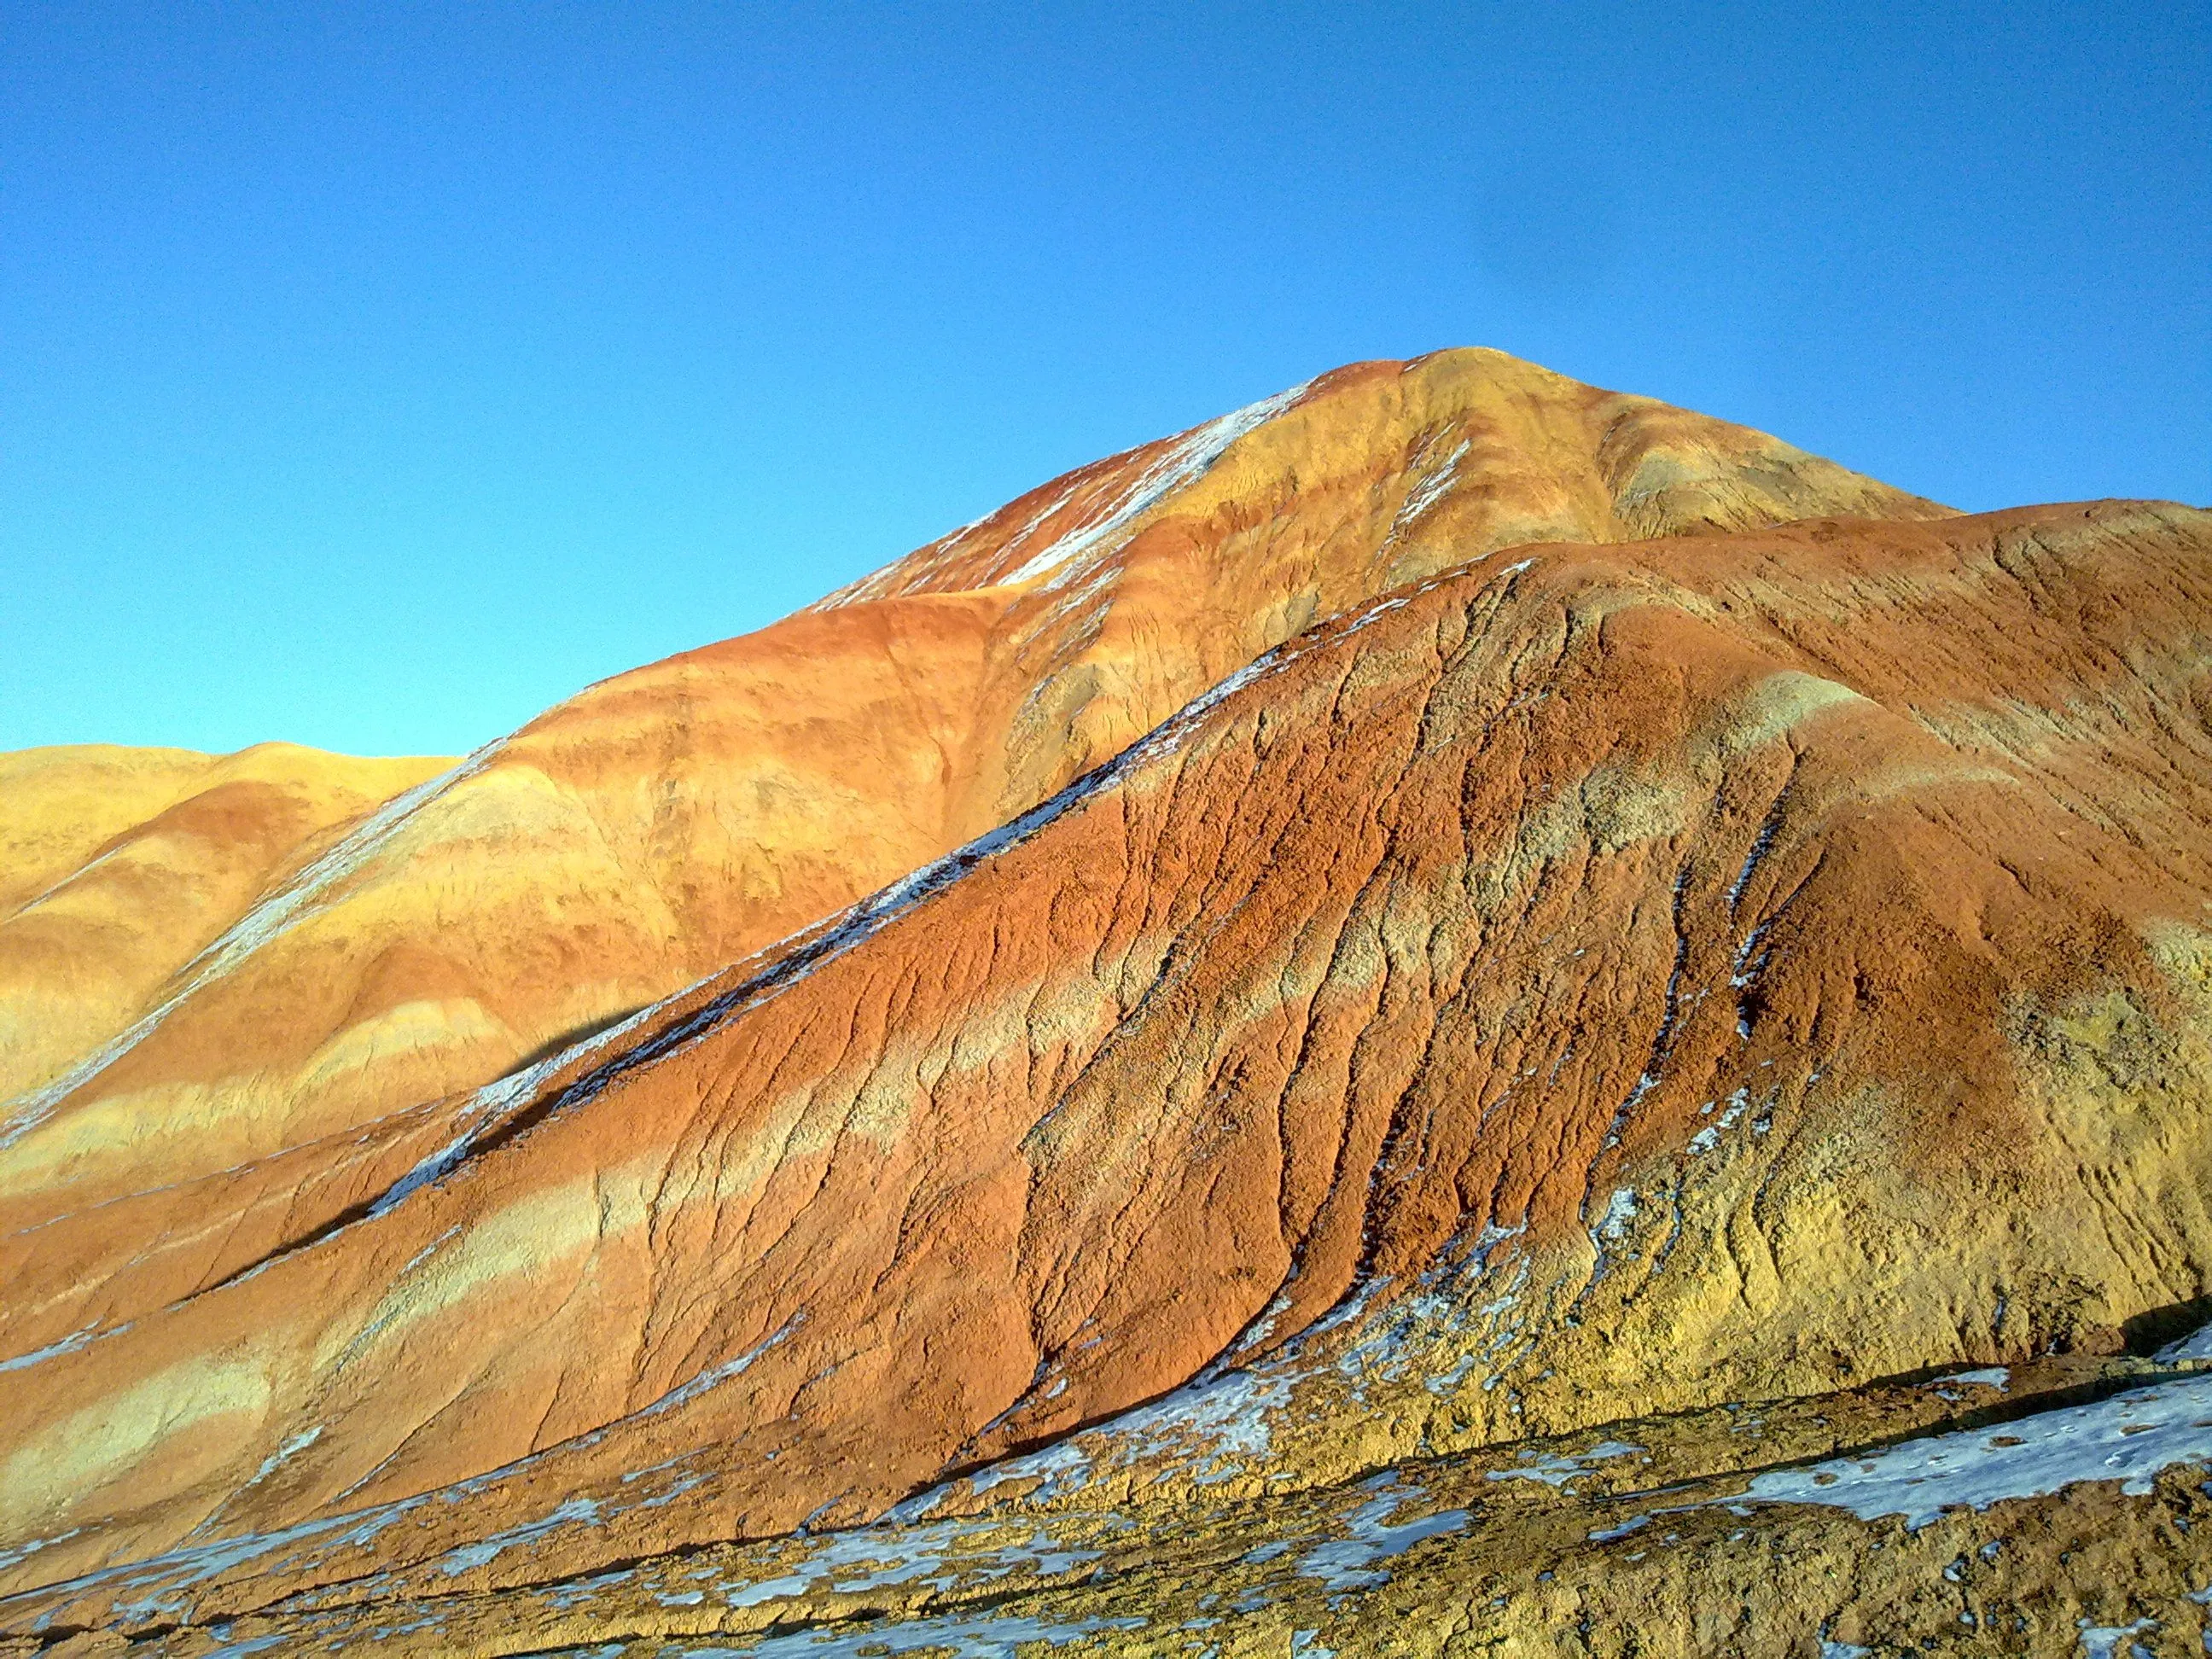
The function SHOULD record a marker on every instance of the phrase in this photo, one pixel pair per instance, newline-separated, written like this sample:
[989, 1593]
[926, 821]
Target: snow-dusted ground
[2128, 1438]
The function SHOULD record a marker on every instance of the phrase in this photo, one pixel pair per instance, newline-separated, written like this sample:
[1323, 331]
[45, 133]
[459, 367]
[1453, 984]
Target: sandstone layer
[1480, 912]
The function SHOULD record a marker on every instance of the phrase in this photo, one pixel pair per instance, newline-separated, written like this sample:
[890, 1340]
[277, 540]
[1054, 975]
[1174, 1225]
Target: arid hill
[666, 823]
[1433, 928]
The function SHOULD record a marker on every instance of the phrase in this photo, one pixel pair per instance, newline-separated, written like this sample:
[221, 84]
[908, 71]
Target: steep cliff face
[1688, 928]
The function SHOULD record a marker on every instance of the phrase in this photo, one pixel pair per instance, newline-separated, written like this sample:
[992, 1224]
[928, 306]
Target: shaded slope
[1603, 982]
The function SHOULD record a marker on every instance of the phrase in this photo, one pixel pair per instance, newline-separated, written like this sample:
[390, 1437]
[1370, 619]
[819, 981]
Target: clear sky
[372, 376]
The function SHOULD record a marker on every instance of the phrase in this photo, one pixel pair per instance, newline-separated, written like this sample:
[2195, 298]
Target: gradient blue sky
[372, 377]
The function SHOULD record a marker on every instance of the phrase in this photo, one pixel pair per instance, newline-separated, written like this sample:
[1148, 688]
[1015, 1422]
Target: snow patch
[979, 1636]
[1619, 1211]
[1761, 844]
[574, 1511]
[1556, 1471]
[1182, 463]
[83, 1337]
[2197, 1346]
[1431, 489]
[2128, 1437]
[1607, 1534]
[1349, 1563]
[1992, 1376]
[714, 1377]
[2103, 1641]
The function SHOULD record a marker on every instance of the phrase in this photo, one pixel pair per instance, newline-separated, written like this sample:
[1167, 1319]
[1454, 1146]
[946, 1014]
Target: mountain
[667, 822]
[1432, 928]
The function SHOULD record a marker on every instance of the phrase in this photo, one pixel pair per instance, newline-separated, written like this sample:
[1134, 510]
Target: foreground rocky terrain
[1453, 1013]
[2051, 1509]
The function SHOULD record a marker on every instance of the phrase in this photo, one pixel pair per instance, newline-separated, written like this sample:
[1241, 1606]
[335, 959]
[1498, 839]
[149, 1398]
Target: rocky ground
[2050, 1507]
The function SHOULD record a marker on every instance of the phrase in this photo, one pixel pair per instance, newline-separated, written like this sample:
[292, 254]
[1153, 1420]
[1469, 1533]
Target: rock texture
[1680, 1536]
[663, 824]
[1440, 914]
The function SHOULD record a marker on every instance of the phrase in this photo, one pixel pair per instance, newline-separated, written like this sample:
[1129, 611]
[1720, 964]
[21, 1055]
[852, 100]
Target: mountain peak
[1455, 453]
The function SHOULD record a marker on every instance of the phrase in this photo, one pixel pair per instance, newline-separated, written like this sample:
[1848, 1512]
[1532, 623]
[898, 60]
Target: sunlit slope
[1595, 981]
[664, 823]
[118, 866]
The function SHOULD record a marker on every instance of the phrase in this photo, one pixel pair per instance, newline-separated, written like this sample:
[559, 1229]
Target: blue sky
[372, 377]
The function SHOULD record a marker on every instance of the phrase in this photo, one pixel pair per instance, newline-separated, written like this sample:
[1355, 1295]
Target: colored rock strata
[1431, 1014]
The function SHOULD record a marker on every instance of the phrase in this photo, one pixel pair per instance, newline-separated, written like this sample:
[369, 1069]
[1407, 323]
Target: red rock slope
[1586, 982]
[665, 823]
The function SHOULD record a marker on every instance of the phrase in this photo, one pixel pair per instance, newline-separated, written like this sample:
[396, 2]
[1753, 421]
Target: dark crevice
[570, 1038]
[2149, 1331]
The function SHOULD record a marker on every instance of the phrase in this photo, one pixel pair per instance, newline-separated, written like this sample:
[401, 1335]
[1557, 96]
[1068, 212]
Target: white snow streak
[1185, 462]
[267, 921]
[1427, 492]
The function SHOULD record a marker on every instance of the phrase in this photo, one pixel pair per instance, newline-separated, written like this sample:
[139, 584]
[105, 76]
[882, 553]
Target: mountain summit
[1363, 1011]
